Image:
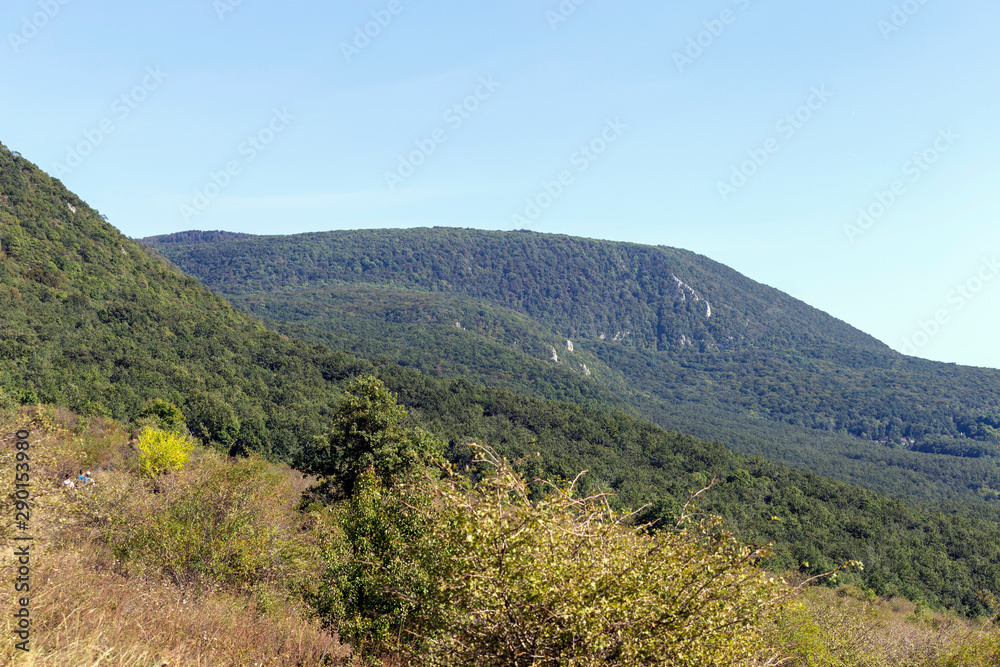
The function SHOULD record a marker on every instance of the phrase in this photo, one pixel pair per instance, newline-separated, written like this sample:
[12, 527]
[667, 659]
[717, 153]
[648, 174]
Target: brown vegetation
[89, 607]
[119, 579]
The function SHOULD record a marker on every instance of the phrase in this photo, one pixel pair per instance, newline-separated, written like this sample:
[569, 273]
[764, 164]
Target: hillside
[652, 297]
[662, 333]
[101, 324]
[93, 321]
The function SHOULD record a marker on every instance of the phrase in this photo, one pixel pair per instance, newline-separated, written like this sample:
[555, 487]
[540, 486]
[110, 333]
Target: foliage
[849, 627]
[94, 321]
[221, 522]
[501, 580]
[162, 451]
[374, 581]
[656, 327]
[367, 432]
[164, 414]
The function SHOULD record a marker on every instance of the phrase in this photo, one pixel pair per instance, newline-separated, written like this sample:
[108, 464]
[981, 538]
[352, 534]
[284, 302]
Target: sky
[843, 152]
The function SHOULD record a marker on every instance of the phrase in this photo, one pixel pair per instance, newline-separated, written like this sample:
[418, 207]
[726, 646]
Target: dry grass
[847, 628]
[89, 609]
[86, 614]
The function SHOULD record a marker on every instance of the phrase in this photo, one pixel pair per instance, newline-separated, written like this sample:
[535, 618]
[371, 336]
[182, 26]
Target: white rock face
[555, 357]
[586, 371]
[684, 290]
[569, 345]
[72, 209]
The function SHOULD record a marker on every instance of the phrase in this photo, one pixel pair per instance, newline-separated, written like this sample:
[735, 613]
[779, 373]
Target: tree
[367, 431]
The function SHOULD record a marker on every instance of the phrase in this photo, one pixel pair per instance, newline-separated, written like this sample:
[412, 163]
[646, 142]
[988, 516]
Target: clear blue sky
[749, 131]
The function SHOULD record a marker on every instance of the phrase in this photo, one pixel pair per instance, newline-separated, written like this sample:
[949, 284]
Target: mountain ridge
[645, 278]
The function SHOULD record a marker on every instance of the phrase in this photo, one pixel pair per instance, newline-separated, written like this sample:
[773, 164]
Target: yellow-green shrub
[162, 451]
[484, 576]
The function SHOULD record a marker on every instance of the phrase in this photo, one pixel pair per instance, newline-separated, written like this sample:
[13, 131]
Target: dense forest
[584, 321]
[101, 324]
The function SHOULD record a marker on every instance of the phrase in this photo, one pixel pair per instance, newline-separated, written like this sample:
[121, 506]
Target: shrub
[478, 574]
[166, 415]
[223, 522]
[375, 580]
[162, 451]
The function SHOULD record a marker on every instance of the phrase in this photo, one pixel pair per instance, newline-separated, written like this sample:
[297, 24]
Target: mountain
[94, 321]
[663, 333]
[653, 297]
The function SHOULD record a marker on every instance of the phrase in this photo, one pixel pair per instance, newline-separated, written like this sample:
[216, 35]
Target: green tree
[368, 431]
[166, 415]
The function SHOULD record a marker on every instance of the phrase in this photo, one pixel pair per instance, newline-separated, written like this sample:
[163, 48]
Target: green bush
[447, 572]
[165, 415]
[375, 581]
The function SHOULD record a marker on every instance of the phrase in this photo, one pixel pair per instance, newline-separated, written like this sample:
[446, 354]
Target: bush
[165, 415]
[375, 581]
[223, 522]
[162, 451]
[478, 574]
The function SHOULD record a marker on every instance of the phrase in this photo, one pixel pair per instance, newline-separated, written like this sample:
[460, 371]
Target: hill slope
[96, 321]
[670, 335]
[655, 297]
[93, 321]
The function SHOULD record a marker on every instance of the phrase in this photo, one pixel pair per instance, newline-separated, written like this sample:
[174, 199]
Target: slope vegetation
[663, 333]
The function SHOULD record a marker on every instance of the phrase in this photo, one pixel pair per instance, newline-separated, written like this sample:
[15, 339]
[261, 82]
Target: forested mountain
[665, 333]
[94, 321]
[652, 297]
